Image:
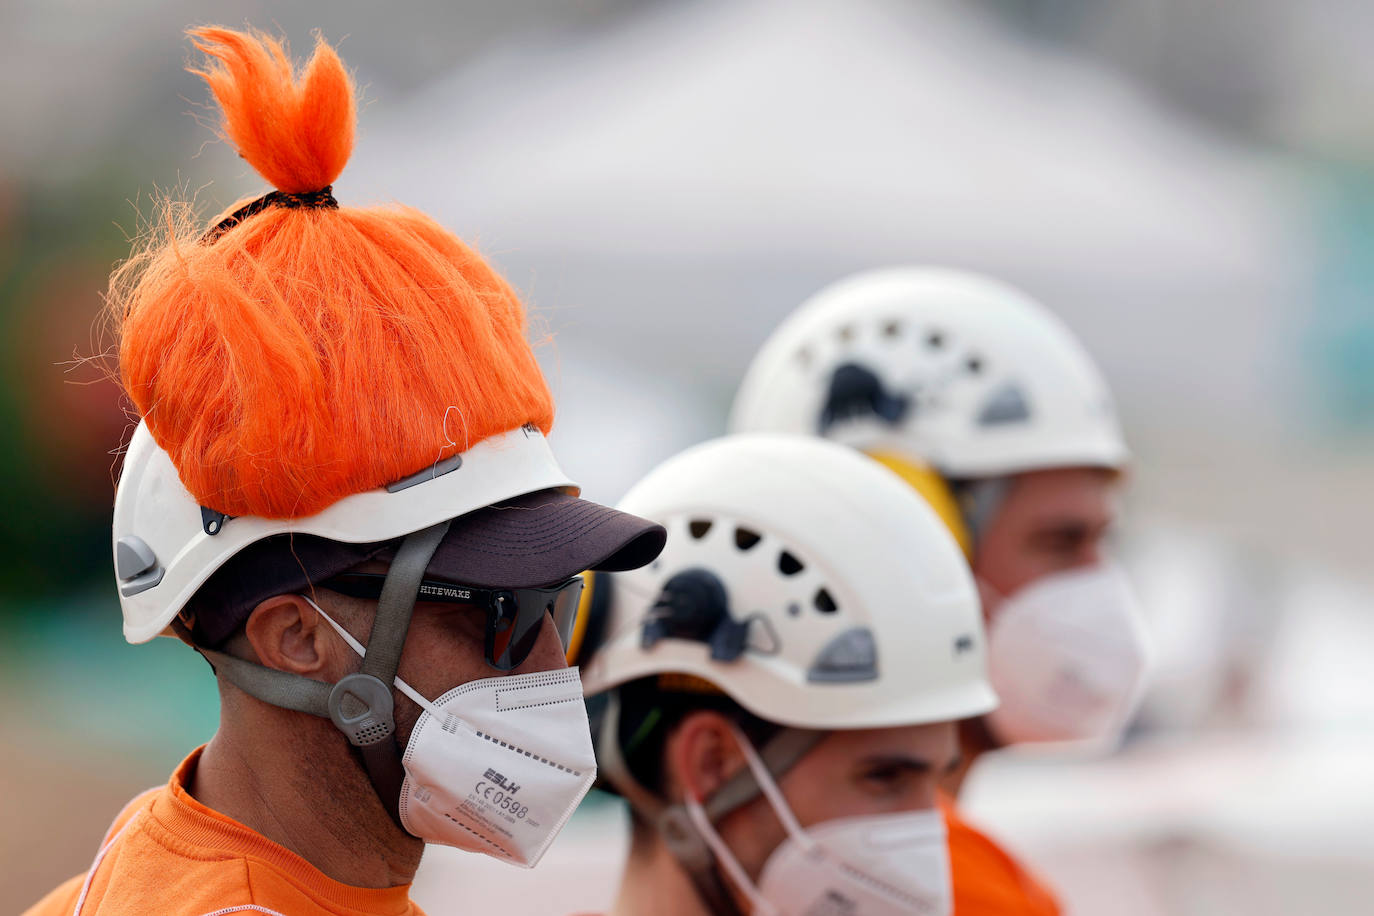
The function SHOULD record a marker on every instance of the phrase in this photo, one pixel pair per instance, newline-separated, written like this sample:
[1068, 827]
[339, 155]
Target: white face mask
[1067, 657]
[497, 765]
[855, 866]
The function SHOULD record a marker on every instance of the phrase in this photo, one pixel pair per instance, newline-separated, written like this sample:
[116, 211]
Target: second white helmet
[957, 370]
[807, 582]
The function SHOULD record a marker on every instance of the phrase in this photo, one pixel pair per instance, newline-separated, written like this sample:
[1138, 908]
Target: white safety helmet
[840, 599]
[166, 545]
[964, 373]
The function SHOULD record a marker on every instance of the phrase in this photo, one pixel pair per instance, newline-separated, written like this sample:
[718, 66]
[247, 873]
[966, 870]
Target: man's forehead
[1063, 483]
[1068, 495]
[929, 740]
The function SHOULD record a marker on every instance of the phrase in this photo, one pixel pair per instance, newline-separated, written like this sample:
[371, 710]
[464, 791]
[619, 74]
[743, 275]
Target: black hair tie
[323, 199]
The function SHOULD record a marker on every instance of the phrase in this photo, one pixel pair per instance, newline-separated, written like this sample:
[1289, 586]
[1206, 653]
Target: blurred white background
[1190, 186]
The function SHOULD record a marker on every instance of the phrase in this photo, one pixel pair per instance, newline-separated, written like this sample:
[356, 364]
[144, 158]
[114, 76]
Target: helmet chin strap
[360, 704]
[673, 822]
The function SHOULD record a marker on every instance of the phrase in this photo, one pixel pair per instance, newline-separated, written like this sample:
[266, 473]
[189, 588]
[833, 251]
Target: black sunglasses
[514, 615]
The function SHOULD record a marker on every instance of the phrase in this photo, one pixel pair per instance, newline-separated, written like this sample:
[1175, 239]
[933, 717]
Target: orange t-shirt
[988, 881]
[167, 853]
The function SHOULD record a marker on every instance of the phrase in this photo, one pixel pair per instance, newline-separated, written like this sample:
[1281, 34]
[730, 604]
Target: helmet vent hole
[824, 602]
[935, 340]
[893, 328]
[789, 565]
[746, 539]
[845, 332]
[804, 358]
[698, 527]
[974, 364]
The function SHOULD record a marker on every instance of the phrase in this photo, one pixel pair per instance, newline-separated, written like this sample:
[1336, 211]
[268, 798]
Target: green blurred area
[62, 652]
[63, 412]
[149, 703]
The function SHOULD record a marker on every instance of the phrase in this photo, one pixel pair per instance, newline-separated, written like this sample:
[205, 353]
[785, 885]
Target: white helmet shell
[964, 373]
[858, 607]
[165, 546]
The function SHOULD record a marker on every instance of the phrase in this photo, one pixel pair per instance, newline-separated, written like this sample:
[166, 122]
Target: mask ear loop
[726, 858]
[358, 647]
[697, 814]
[772, 792]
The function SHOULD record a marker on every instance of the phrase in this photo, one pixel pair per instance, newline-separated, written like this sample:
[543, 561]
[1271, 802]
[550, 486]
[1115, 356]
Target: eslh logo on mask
[497, 766]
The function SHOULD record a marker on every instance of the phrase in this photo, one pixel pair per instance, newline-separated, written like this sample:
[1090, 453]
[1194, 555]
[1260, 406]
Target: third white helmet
[957, 370]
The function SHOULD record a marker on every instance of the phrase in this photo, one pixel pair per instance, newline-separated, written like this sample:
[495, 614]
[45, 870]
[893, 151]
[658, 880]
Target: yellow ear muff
[933, 489]
[584, 616]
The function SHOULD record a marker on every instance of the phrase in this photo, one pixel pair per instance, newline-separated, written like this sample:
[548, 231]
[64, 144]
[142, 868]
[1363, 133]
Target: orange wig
[304, 354]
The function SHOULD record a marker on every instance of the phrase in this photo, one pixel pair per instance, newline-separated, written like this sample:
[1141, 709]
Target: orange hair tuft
[308, 354]
[297, 134]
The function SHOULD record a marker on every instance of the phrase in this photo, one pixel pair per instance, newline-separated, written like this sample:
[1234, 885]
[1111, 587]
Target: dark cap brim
[538, 539]
[542, 539]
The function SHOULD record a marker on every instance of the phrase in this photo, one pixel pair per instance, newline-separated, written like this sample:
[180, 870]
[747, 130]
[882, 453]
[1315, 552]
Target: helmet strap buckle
[361, 707]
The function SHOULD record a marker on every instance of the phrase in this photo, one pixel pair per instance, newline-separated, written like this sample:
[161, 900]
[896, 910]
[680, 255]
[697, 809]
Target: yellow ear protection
[589, 629]
[933, 489]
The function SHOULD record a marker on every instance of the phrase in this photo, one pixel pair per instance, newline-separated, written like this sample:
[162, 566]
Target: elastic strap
[688, 828]
[707, 831]
[777, 757]
[382, 757]
[279, 688]
[323, 199]
[769, 785]
[361, 651]
[288, 691]
[397, 602]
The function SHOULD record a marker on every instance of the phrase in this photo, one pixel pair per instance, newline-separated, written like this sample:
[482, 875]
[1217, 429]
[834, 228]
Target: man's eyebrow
[1068, 527]
[1053, 522]
[907, 762]
[897, 762]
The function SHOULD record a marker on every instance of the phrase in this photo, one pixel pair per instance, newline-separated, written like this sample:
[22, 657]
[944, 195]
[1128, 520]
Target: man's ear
[288, 634]
[701, 754]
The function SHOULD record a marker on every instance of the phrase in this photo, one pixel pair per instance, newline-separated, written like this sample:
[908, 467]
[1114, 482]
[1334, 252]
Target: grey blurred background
[1191, 186]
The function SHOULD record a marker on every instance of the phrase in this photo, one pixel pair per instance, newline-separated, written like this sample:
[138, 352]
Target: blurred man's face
[848, 774]
[1050, 521]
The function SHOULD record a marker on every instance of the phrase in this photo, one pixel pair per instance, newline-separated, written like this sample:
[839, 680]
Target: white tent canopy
[704, 167]
[665, 191]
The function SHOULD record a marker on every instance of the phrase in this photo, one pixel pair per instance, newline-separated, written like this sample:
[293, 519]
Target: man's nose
[926, 796]
[1093, 552]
